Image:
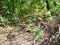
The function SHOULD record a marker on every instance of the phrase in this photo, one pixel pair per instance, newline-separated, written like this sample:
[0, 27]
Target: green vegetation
[16, 9]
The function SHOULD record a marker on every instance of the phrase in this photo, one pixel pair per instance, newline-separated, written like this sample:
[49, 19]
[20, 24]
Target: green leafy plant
[14, 9]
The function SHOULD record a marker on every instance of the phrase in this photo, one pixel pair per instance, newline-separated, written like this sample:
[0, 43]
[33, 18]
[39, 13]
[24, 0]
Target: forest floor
[16, 35]
[22, 34]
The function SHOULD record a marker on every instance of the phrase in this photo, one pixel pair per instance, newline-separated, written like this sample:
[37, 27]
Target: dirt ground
[9, 36]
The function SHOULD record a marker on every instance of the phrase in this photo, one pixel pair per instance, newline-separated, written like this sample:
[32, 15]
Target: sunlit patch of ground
[14, 35]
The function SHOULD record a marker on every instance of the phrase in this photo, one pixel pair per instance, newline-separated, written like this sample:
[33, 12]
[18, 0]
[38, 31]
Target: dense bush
[16, 9]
